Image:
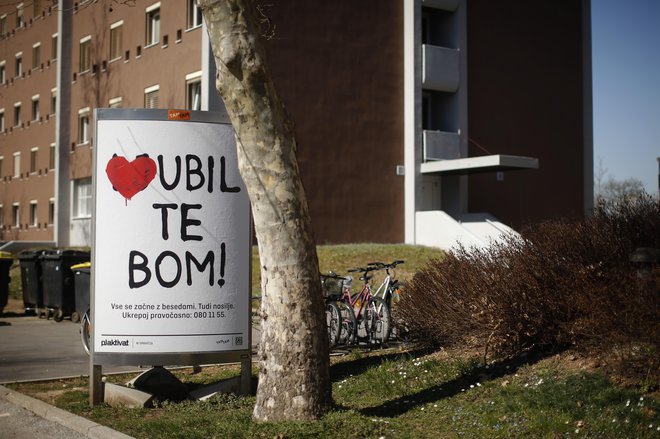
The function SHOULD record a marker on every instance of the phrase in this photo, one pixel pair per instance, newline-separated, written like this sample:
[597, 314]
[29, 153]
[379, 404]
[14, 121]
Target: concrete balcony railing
[441, 145]
[440, 68]
[446, 5]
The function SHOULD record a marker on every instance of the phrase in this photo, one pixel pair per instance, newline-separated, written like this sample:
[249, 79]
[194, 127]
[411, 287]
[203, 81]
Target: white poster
[171, 253]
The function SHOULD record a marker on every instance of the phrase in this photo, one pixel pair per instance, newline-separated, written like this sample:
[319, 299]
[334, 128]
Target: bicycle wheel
[333, 322]
[347, 334]
[378, 319]
[86, 331]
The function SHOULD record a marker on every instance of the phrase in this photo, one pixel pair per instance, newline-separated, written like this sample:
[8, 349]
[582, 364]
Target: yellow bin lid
[82, 265]
[6, 255]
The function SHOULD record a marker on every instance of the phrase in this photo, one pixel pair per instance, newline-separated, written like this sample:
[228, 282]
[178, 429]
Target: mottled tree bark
[294, 381]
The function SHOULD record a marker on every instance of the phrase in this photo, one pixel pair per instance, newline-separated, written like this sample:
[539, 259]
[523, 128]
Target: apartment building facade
[409, 113]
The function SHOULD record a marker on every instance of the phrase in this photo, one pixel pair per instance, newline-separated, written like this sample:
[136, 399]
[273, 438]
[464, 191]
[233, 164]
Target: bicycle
[338, 317]
[373, 316]
[389, 288]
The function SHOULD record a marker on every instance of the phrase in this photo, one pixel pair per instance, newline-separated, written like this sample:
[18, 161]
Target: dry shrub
[565, 283]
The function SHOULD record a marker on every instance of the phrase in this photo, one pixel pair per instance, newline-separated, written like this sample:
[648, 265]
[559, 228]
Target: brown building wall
[338, 67]
[165, 65]
[526, 98]
[34, 182]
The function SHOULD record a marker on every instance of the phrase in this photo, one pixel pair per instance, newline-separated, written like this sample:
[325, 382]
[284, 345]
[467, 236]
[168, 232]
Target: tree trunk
[294, 382]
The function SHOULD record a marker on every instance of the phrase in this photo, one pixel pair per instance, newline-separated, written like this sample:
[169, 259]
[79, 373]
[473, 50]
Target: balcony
[440, 68]
[441, 145]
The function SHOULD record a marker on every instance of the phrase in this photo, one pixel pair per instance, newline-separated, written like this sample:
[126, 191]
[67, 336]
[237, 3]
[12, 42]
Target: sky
[626, 89]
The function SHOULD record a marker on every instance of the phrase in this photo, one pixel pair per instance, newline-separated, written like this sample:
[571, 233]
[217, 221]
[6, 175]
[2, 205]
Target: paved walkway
[24, 417]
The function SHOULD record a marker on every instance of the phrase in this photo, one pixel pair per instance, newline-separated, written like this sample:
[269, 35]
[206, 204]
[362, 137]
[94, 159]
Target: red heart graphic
[129, 178]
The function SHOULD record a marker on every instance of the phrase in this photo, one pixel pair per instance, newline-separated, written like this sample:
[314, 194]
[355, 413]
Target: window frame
[82, 202]
[16, 215]
[116, 102]
[154, 90]
[116, 51]
[34, 158]
[51, 157]
[34, 217]
[35, 110]
[194, 80]
[16, 163]
[53, 47]
[194, 15]
[84, 136]
[17, 114]
[85, 54]
[18, 65]
[152, 25]
[36, 56]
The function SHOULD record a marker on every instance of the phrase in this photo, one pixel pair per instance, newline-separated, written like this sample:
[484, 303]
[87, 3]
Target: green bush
[565, 283]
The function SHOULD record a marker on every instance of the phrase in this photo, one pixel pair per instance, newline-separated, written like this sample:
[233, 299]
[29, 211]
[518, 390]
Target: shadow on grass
[345, 369]
[451, 388]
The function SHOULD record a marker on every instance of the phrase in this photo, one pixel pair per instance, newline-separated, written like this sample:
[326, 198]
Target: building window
[17, 165]
[116, 47]
[36, 7]
[33, 160]
[2, 173]
[16, 215]
[51, 156]
[85, 61]
[151, 96]
[51, 211]
[53, 47]
[194, 14]
[194, 91]
[17, 114]
[35, 108]
[153, 24]
[82, 198]
[36, 56]
[83, 126]
[3, 25]
[53, 101]
[19, 15]
[3, 73]
[115, 102]
[34, 221]
[19, 64]
[2, 120]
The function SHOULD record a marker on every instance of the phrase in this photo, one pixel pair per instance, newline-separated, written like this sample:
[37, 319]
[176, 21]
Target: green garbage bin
[33, 296]
[58, 280]
[81, 273]
[6, 260]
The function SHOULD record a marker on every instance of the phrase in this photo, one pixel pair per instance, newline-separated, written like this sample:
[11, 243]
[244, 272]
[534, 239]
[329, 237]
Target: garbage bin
[81, 273]
[6, 260]
[33, 298]
[58, 280]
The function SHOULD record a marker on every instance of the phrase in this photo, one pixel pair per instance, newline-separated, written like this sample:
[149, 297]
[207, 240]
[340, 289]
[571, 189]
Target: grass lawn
[397, 393]
[394, 394]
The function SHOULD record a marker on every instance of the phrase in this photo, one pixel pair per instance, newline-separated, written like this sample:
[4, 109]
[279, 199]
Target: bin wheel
[75, 317]
[47, 313]
[58, 316]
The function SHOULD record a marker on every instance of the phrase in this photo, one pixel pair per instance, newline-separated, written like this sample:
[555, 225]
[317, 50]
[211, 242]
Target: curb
[77, 423]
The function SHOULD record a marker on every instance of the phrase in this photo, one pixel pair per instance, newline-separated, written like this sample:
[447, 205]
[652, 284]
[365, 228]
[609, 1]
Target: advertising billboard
[171, 246]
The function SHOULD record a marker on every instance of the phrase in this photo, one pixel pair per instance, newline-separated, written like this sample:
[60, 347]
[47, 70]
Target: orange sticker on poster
[178, 115]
